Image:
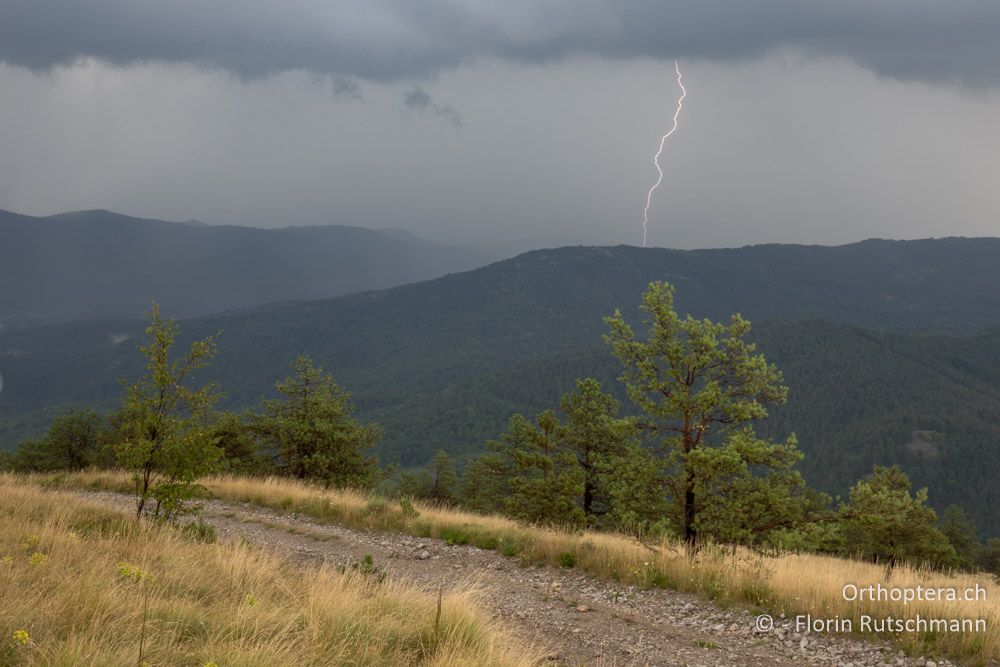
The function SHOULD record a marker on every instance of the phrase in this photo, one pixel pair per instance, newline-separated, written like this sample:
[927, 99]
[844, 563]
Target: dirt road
[576, 618]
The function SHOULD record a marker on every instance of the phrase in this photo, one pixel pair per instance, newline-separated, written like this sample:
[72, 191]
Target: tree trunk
[143, 492]
[690, 534]
[588, 498]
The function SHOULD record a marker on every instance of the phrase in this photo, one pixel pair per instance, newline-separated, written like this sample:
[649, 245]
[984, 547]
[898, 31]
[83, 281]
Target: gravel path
[577, 619]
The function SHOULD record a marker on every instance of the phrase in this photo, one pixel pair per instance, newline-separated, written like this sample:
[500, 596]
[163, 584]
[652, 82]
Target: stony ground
[577, 619]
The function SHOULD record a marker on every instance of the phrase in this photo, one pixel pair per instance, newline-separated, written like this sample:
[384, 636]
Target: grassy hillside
[101, 264]
[74, 580]
[444, 363]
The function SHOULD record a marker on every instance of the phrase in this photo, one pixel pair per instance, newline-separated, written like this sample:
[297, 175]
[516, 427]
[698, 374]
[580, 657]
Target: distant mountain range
[102, 264]
[891, 350]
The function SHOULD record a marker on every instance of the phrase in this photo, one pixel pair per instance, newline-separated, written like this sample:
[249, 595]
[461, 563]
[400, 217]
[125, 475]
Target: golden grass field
[73, 580]
[789, 583]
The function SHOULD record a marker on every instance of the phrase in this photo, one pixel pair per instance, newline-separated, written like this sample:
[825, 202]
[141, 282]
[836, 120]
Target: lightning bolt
[656, 158]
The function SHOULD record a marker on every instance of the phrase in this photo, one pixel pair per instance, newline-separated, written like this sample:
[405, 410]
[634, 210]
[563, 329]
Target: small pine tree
[962, 535]
[313, 433]
[552, 472]
[884, 522]
[596, 436]
[443, 477]
[485, 484]
[241, 449]
[545, 480]
[436, 481]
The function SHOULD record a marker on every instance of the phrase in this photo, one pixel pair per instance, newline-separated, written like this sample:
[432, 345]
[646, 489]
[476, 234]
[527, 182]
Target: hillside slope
[101, 264]
[444, 363]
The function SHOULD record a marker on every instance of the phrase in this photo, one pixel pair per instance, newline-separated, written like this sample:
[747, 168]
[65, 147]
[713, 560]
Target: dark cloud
[419, 99]
[952, 41]
[346, 88]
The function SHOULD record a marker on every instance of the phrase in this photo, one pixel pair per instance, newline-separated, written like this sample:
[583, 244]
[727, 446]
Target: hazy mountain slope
[533, 306]
[101, 264]
[445, 362]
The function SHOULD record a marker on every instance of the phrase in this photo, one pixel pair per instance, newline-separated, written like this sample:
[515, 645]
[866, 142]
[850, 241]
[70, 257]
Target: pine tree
[597, 437]
[962, 535]
[884, 522]
[443, 477]
[313, 433]
[545, 481]
[241, 449]
[700, 386]
[435, 481]
[485, 484]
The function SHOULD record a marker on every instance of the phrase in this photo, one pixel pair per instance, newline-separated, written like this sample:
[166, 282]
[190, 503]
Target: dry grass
[790, 584]
[64, 600]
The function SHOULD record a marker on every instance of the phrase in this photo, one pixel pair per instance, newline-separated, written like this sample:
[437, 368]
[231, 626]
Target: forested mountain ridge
[444, 363]
[91, 264]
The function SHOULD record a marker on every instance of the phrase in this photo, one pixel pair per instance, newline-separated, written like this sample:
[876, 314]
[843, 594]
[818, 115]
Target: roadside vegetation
[86, 586]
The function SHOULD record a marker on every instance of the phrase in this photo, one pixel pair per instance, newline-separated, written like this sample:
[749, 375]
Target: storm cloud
[819, 121]
[939, 41]
[419, 99]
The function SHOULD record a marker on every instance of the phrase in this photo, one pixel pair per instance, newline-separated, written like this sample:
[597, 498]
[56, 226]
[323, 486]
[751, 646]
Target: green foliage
[747, 487]
[366, 566]
[962, 535]
[699, 385]
[407, 509]
[635, 482]
[163, 438]
[453, 536]
[543, 479]
[484, 484]
[437, 481]
[312, 433]
[884, 522]
[817, 536]
[75, 441]
[242, 452]
[199, 531]
[552, 472]
[989, 560]
[860, 396]
[597, 437]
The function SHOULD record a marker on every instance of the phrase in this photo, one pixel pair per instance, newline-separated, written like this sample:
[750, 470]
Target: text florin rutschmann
[904, 595]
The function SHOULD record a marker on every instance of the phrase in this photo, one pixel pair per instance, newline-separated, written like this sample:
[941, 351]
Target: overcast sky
[822, 122]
